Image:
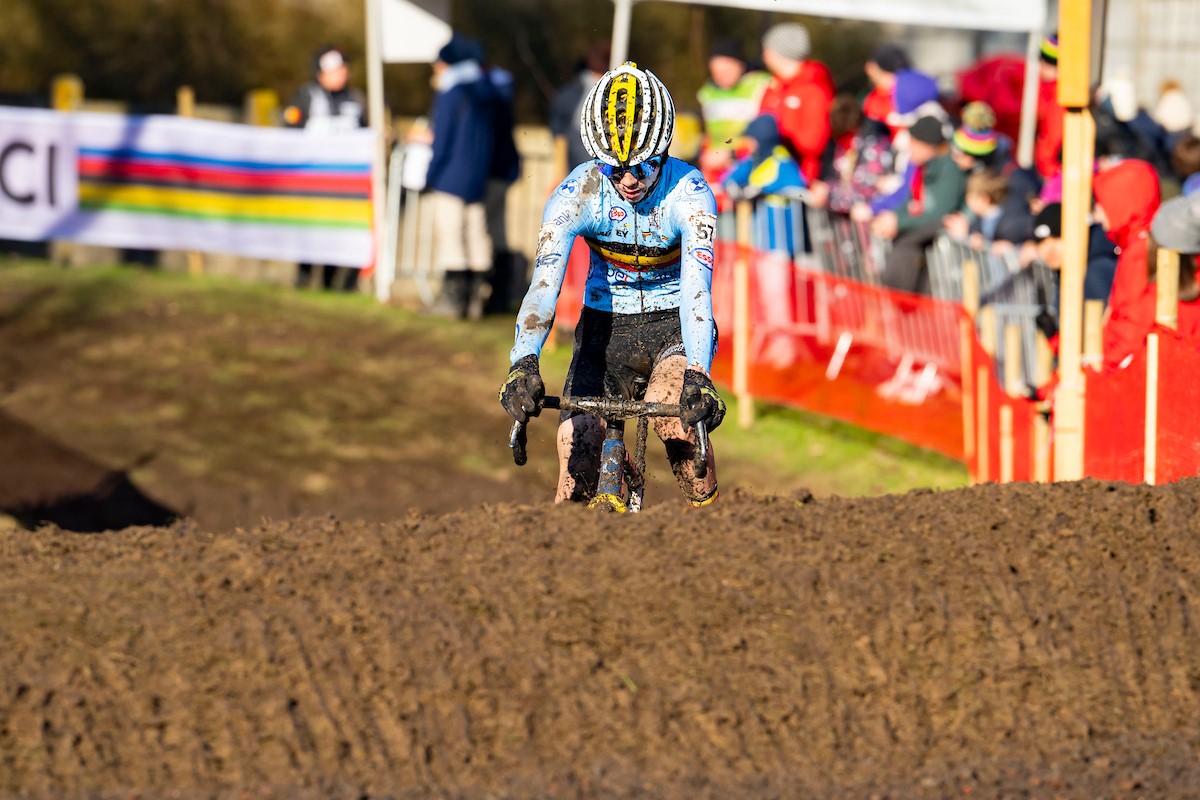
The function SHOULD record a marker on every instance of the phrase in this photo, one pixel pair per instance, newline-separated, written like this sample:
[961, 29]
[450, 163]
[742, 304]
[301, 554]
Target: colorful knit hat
[977, 134]
[1049, 52]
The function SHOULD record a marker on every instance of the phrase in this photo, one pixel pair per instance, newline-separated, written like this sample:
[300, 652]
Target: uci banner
[186, 184]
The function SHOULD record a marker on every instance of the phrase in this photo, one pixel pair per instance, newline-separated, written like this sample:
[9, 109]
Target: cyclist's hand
[700, 400]
[523, 389]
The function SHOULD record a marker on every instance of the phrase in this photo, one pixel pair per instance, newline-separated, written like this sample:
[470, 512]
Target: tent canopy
[980, 15]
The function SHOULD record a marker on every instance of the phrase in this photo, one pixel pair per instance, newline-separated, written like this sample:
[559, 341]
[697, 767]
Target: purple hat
[912, 90]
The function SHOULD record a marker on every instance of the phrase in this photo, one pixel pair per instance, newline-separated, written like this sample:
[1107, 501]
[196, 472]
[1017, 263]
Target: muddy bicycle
[622, 479]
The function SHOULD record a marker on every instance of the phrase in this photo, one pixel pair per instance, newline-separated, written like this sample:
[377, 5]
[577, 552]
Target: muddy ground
[321, 622]
[989, 642]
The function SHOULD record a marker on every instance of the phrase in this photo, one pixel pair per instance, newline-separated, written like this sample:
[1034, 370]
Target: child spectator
[1173, 112]
[1101, 255]
[978, 146]
[1127, 197]
[1176, 226]
[862, 162]
[993, 225]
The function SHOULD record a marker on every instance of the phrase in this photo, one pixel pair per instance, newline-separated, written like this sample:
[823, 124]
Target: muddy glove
[523, 389]
[700, 400]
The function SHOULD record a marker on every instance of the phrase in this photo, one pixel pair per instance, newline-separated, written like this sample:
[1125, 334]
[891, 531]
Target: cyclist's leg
[666, 383]
[579, 441]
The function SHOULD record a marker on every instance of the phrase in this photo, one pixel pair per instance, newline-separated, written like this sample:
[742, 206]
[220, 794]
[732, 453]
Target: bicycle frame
[617, 470]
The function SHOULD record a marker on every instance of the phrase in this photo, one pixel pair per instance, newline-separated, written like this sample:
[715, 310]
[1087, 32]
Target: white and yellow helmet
[628, 117]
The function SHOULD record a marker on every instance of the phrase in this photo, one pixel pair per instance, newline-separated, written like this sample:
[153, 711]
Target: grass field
[252, 387]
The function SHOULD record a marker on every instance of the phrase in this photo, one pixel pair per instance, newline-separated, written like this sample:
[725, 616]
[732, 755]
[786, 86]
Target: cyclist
[647, 323]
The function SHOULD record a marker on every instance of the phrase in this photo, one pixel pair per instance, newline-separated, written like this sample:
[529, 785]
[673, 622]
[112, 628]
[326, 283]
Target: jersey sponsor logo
[617, 214]
[705, 256]
[569, 189]
[561, 219]
[697, 186]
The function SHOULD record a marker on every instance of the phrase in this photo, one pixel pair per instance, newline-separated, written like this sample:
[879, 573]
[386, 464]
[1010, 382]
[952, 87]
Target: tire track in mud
[1012, 640]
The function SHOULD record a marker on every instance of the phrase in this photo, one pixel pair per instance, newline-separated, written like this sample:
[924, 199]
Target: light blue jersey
[652, 255]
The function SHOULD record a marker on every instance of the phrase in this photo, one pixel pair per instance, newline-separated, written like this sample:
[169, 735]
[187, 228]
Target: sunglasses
[639, 171]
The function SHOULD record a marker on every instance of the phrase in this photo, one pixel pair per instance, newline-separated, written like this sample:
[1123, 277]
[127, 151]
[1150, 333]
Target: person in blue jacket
[463, 122]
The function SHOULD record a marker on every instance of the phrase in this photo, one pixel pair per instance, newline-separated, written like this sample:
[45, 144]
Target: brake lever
[517, 439]
[700, 460]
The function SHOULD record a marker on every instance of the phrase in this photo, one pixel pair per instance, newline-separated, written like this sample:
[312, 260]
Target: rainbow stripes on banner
[174, 183]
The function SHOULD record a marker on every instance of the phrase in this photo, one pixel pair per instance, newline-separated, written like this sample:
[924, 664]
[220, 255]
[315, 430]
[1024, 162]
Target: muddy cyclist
[647, 328]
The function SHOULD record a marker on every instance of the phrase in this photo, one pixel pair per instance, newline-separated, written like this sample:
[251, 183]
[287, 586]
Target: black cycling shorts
[615, 353]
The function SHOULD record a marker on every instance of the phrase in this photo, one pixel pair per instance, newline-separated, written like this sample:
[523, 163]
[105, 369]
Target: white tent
[1028, 16]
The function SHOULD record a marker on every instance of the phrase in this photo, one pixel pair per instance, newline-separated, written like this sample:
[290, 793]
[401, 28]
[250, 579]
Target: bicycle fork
[609, 495]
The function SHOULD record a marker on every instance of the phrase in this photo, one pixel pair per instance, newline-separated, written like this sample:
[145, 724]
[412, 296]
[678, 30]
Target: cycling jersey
[651, 255]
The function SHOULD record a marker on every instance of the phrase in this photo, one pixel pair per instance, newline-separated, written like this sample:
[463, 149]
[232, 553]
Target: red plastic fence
[892, 362]
[883, 360]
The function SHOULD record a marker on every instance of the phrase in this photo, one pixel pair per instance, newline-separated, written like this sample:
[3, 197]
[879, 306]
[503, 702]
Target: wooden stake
[1013, 386]
[981, 383]
[1151, 463]
[1166, 312]
[1041, 426]
[970, 301]
[1093, 334]
[741, 317]
[987, 330]
[185, 106]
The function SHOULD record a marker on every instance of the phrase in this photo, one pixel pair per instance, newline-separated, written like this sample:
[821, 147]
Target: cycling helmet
[628, 117]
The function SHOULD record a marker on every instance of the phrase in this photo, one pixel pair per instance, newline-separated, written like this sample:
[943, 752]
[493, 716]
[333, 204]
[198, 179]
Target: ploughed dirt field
[311, 598]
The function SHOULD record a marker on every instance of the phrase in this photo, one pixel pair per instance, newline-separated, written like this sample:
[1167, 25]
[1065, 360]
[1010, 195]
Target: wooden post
[1074, 95]
[1041, 426]
[1166, 311]
[66, 94]
[983, 373]
[1166, 314]
[262, 108]
[1093, 334]
[1013, 387]
[987, 331]
[185, 106]
[741, 317]
[970, 301]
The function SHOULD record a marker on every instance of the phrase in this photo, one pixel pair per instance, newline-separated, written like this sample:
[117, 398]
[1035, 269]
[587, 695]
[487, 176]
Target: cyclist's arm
[563, 218]
[696, 216]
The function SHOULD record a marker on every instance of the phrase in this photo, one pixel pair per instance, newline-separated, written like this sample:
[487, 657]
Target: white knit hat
[788, 39]
[1174, 111]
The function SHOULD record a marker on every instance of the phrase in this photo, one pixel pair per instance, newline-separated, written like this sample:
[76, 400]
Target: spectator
[503, 170]
[915, 95]
[1125, 130]
[1177, 227]
[1047, 148]
[994, 225]
[1127, 197]
[1185, 160]
[327, 104]
[863, 162]
[463, 139]
[937, 189]
[1173, 112]
[1101, 255]
[567, 104]
[729, 101]
[799, 96]
[881, 68]
[977, 146]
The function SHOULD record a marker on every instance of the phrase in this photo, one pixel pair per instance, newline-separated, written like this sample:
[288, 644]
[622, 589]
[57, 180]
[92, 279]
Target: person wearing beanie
[464, 136]
[327, 104]
[729, 100]
[937, 189]
[915, 95]
[568, 102]
[886, 61]
[799, 96]
[1047, 147]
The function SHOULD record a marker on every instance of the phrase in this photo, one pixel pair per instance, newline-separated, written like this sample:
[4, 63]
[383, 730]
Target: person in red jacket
[1127, 197]
[886, 60]
[800, 95]
[1177, 227]
[1047, 147]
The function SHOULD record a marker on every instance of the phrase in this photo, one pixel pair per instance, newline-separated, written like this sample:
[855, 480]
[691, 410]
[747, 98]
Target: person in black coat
[463, 122]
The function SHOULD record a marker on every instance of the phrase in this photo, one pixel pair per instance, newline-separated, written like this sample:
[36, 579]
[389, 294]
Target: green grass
[784, 451]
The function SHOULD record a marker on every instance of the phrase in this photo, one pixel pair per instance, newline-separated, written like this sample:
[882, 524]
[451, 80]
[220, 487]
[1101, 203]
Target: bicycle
[622, 480]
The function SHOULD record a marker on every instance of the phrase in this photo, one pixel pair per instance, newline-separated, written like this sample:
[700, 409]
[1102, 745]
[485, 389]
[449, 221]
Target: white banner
[414, 30]
[186, 184]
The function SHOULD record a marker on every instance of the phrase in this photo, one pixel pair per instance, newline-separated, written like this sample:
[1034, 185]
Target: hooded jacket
[1128, 327]
[1129, 193]
[1047, 147]
[463, 132]
[801, 106]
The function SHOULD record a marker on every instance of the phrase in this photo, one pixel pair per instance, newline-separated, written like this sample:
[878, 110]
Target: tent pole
[622, 21]
[375, 116]
[1029, 100]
